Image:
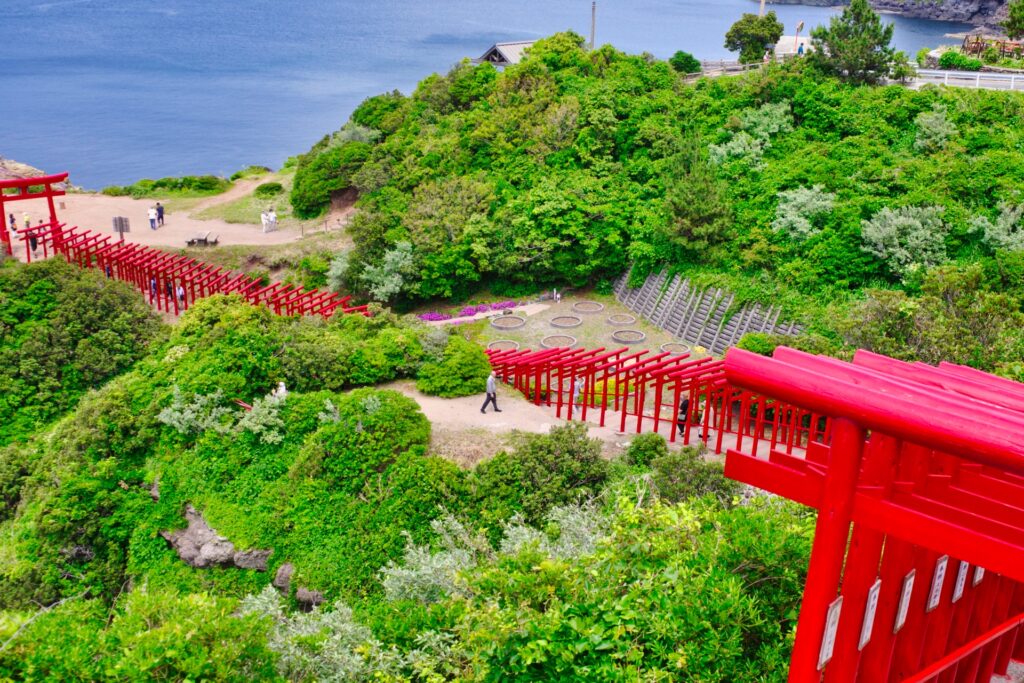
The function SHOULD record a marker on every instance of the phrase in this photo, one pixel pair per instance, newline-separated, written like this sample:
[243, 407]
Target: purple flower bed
[468, 311]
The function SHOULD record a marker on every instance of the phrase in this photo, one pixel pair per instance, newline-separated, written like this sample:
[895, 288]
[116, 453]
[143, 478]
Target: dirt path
[239, 189]
[464, 436]
[95, 211]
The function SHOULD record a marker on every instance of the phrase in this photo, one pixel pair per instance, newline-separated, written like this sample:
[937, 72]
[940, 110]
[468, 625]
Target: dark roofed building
[505, 54]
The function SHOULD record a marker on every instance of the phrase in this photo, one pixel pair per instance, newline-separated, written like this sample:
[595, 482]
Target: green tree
[752, 35]
[1014, 23]
[684, 63]
[856, 45]
[699, 213]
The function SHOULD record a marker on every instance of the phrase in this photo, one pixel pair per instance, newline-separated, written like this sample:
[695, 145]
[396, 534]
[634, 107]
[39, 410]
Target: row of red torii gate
[171, 282]
[917, 472]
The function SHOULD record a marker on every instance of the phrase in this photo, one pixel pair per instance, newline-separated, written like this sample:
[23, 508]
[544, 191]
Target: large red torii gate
[170, 282]
[917, 568]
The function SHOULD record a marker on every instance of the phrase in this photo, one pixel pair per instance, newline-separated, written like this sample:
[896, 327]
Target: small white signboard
[938, 579]
[870, 607]
[905, 593]
[961, 580]
[828, 641]
[979, 574]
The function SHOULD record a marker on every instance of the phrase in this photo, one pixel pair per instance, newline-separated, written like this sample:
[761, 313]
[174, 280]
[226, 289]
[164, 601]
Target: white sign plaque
[938, 578]
[979, 574]
[828, 641]
[870, 607]
[905, 593]
[961, 580]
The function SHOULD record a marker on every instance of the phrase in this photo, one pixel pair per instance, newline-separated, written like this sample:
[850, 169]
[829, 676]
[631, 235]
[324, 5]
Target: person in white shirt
[272, 220]
[152, 218]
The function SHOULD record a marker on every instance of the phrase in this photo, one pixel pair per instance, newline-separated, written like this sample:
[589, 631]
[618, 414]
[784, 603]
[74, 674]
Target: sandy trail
[95, 211]
[239, 189]
[463, 435]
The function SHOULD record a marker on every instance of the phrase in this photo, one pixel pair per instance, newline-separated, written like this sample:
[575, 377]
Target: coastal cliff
[10, 169]
[988, 12]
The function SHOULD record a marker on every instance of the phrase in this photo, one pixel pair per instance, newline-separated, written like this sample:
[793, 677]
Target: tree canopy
[856, 45]
[752, 35]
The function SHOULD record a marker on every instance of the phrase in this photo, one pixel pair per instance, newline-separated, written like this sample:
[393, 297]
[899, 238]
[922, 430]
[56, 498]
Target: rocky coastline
[981, 12]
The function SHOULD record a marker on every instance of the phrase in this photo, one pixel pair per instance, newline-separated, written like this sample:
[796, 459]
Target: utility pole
[761, 13]
[593, 21]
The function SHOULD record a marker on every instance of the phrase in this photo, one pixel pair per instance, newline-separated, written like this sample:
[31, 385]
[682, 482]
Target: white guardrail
[985, 80]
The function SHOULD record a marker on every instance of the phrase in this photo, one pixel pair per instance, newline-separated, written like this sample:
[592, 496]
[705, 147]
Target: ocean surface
[117, 90]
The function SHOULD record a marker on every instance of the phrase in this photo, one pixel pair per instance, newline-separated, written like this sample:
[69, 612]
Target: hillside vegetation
[788, 186]
[545, 562]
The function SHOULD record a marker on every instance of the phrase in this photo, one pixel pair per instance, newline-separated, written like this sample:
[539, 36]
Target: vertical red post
[831, 533]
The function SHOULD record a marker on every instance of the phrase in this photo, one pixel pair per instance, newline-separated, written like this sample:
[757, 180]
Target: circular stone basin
[628, 336]
[588, 307]
[566, 321]
[675, 348]
[508, 322]
[553, 341]
[503, 345]
[621, 319]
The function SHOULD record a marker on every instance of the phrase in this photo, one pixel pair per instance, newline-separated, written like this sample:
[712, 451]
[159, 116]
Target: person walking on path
[492, 394]
[14, 223]
[181, 295]
[27, 219]
[272, 220]
[159, 214]
[264, 221]
[577, 395]
[152, 218]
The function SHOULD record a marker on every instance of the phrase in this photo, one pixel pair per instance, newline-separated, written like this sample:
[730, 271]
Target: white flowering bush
[798, 208]
[756, 127]
[1007, 232]
[906, 238]
[197, 414]
[934, 129]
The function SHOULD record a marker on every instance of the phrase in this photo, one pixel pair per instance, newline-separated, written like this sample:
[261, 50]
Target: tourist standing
[152, 218]
[492, 394]
[28, 220]
[181, 295]
[272, 220]
[14, 223]
[159, 214]
[264, 220]
[577, 394]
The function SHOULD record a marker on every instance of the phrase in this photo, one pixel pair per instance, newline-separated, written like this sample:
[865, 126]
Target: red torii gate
[171, 282]
[917, 568]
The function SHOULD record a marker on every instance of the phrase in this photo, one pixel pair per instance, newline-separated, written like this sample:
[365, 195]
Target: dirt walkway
[464, 436]
[95, 211]
[239, 189]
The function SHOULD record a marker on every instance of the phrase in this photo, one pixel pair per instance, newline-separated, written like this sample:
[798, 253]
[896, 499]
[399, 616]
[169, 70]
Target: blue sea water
[117, 90]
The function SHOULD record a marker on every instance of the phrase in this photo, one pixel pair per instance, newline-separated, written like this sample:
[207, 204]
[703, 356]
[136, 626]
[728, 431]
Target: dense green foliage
[325, 169]
[185, 186]
[63, 331]
[268, 190]
[752, 36]
[461, 370]
[1014, 23]
[567, 167]
[953, 59]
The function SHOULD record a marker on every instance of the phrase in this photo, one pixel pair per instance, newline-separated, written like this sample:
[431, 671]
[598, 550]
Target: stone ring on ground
[566, 321]
[503, 345]
[508, 322]
[628, 336]
[588, 307]
[675, 348]
[555, 341]
[621, 319]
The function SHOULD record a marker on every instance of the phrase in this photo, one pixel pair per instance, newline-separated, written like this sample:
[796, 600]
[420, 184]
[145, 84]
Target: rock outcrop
[987, 12]
[200, 546]
[12, 170]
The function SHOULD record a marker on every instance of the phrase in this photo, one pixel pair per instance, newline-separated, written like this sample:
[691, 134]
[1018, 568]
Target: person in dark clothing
[110, 273]
[169, 289]
[152, 287]
[159, 213]
[492, 394]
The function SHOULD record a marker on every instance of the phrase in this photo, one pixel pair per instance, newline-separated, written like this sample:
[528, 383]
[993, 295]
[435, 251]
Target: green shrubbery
[322, 171]
[268, 190]
[461, 371]
[959, 61]
[185, 186]
[63, 331]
